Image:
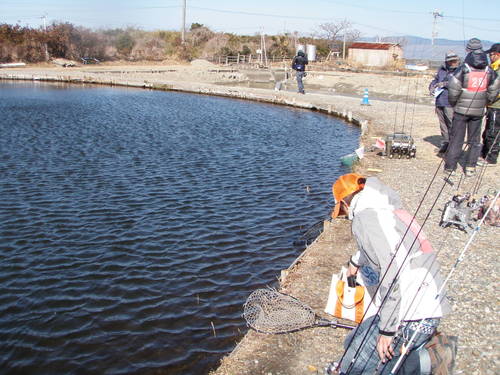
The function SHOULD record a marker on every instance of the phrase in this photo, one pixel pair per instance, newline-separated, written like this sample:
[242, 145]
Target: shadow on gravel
[434, 140]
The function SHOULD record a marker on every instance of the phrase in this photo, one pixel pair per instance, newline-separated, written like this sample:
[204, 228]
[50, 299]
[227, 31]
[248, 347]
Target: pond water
[134, 223]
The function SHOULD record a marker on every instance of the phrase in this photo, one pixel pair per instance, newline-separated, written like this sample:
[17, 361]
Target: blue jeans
[368, 359]
[300, 85]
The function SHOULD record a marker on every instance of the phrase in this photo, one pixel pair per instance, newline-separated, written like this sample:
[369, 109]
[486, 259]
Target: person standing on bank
[439, 88]
[491, 139]
[299, 65]
[473, 85]
[406, 285]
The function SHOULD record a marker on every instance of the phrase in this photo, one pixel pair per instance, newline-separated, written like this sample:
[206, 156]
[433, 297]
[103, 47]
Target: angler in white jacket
[400, 269]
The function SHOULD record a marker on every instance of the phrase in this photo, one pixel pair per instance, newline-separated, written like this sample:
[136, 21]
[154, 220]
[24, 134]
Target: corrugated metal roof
[366, 45]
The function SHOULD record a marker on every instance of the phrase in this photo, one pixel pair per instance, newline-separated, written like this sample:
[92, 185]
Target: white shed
[375, 54]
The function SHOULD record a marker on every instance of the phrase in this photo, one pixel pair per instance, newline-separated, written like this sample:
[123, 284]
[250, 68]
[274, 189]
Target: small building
[375, 54]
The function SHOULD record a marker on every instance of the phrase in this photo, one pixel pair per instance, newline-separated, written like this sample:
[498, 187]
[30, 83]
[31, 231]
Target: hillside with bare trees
[67, 41]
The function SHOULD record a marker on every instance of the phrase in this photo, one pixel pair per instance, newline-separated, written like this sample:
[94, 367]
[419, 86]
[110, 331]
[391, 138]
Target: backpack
[297, 66]
[493, 217]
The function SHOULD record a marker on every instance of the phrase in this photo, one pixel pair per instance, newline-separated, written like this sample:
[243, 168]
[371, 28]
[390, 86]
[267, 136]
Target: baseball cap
[494, 48]
[344, 186]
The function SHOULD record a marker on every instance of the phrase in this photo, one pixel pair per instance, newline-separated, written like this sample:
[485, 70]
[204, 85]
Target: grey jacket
[470, 95]
[379, 225]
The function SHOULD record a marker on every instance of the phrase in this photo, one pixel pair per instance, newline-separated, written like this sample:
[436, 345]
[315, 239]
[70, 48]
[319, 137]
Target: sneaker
[331, 369]
[449, 172]
[470, 171]
[484, 163]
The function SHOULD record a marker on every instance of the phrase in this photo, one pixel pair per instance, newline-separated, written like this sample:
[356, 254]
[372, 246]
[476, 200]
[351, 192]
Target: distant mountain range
[417, 48]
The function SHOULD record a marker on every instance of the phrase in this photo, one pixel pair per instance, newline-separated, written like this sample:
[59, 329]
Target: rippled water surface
[132, 221]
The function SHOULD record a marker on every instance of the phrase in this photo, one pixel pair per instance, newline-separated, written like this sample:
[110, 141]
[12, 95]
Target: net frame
[272, 312]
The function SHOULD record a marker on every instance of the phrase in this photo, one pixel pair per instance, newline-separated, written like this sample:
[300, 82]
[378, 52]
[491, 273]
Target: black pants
[460, 125]
[491, 139]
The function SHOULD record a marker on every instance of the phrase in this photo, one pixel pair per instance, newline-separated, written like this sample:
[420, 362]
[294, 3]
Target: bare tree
[393, 39]
[335, 32]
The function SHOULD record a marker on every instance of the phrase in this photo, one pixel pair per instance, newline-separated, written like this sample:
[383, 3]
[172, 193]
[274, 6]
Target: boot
[443, 148]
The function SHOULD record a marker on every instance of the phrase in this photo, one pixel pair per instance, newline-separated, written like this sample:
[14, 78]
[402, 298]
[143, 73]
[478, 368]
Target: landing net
[269, 311]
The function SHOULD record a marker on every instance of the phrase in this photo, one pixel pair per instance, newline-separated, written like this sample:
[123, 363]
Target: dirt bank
[472, 289]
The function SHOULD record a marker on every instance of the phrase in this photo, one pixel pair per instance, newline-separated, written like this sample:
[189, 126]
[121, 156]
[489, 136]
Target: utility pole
[263, 52]
[435, 14]
[343, 49]
[183, 31]
[44, 17]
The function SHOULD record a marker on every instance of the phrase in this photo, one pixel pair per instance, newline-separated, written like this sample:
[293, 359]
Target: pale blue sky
[462, 19]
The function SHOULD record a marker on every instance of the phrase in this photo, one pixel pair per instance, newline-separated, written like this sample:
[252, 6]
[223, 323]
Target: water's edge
[259, 95]
[311, 102]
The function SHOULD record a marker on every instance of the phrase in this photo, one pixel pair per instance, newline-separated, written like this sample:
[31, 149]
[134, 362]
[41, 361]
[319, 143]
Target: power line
[408, 11]
[375, 8]
[263, 14]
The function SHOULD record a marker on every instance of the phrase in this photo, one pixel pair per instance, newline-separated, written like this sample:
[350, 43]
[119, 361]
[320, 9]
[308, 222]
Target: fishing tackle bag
[493, 217]
[442, 351]
[347, 302]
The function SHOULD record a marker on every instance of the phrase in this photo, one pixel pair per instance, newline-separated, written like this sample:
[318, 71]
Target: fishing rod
[414, 105]
[397, 104]
[394, 280]
[452, 270]
[458, 210]
[356, 355]
[483, 168]
[422, 285]
[311, 230]
[406, 106]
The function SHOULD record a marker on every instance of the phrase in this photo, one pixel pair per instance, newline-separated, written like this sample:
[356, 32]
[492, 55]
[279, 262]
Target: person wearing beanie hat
[491, 137]
[386, 234]
[299, 65]
[473, 45]
[472, 87]
[439, 89]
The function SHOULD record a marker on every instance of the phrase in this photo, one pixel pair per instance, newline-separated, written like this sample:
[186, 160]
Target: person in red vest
[473, 85]
[491, 139]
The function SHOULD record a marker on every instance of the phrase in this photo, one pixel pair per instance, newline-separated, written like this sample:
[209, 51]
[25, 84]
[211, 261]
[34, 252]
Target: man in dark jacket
[299, 65]
[491, 137]
[439, 88]
[473, 85]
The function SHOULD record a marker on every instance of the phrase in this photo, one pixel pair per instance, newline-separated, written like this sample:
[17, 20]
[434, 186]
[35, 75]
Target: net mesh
[269, 311]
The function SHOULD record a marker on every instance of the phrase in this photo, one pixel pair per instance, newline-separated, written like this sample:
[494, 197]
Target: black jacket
[473, 85]
[299, 62]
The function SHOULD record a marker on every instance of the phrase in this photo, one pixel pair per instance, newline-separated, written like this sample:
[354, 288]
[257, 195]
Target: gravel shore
[472, 288]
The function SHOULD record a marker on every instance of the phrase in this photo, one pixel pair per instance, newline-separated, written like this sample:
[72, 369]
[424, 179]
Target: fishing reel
[459, 211]
[400, 145]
